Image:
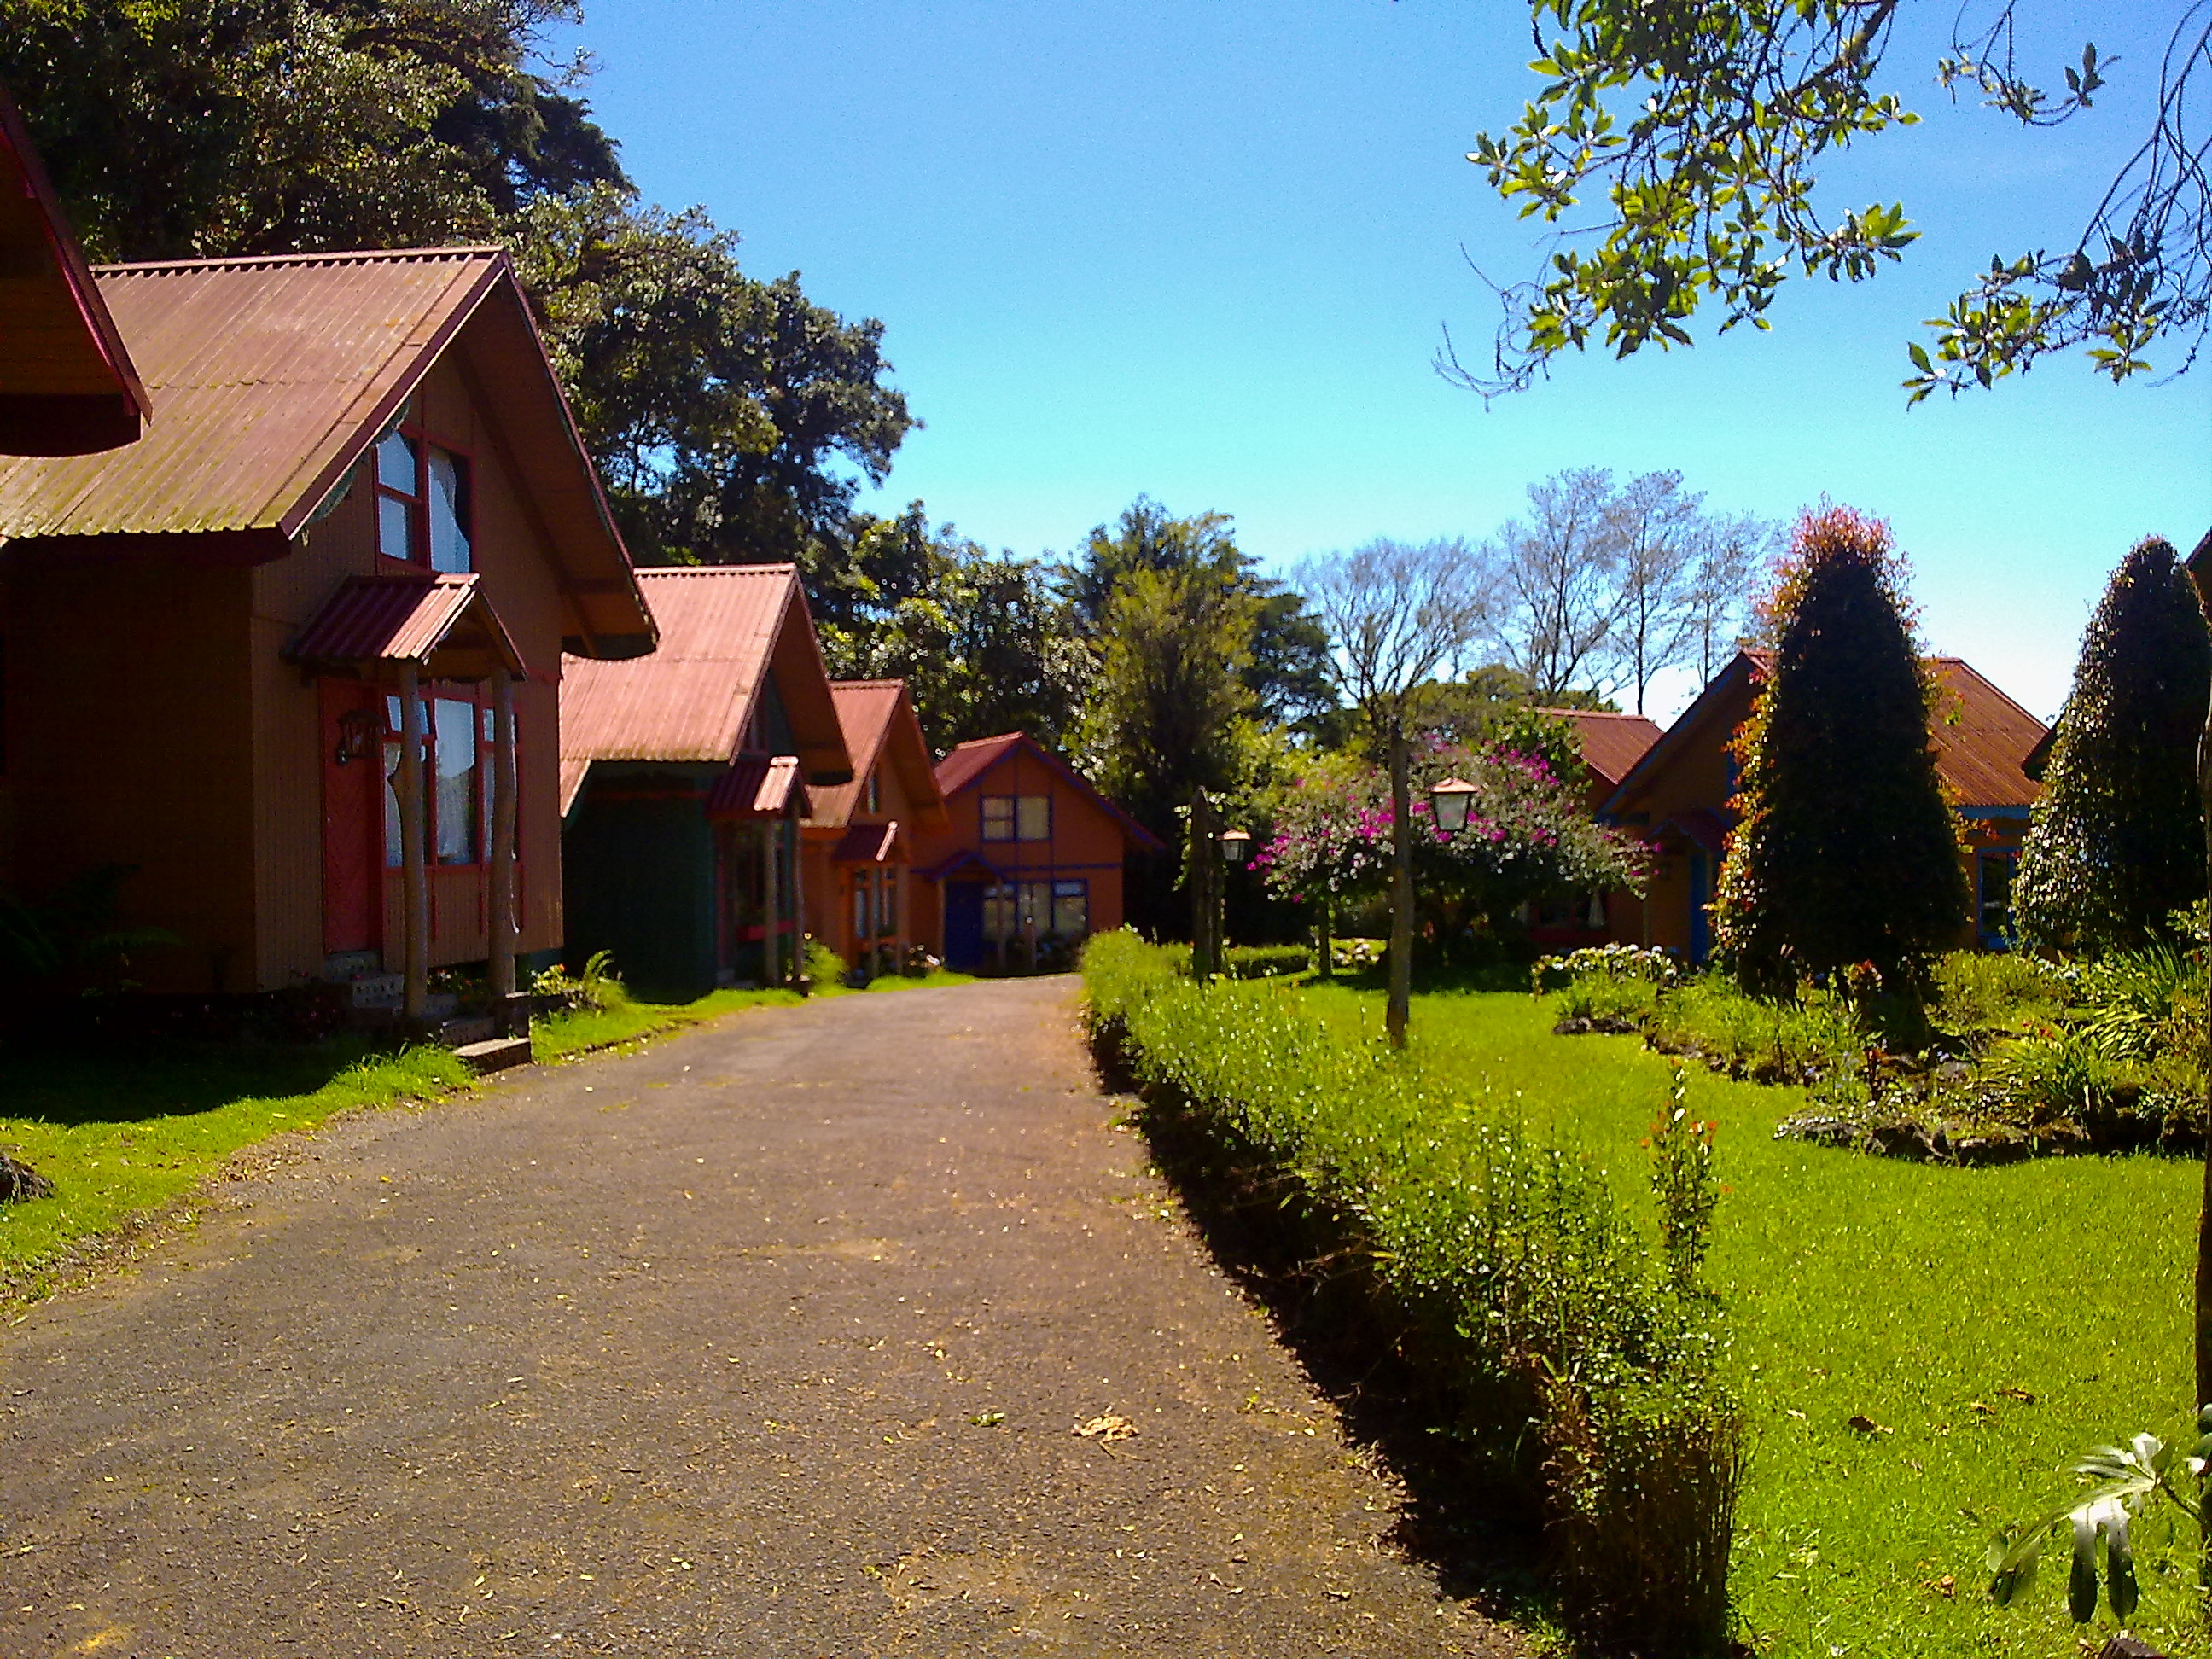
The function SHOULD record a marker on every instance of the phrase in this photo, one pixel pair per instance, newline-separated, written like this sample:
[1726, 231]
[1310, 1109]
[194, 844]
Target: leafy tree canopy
[732, 419]
[2117, 841]
[1700, 126]
[178, 129]
[1286, 667]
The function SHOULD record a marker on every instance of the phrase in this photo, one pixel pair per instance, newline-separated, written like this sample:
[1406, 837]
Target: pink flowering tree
[1527, 837]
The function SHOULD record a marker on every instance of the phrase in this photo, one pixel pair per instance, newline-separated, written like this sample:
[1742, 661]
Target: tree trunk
[2199, 568]
[1324, 943]
[1400, 1006]
[1200, 863]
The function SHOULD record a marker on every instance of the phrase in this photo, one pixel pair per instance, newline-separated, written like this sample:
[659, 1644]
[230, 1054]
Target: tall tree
[1286, 671]
[733, 419]
[1702, 126]
[1398, 614]
[1846, 851]
[1559, 575]
[2116, 845]
[981, 639]
[196, 128]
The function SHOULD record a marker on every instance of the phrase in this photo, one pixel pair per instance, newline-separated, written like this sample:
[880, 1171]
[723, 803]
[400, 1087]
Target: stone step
[495, 1055]
[460, 1033]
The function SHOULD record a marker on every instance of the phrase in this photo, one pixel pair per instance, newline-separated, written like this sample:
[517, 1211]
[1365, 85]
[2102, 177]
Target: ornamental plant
[2116, 844]
[1526, 836]
[1846, 853]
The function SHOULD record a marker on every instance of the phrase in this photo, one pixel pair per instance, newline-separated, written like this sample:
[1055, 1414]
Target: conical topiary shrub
[1845, 852]
[2117, 841]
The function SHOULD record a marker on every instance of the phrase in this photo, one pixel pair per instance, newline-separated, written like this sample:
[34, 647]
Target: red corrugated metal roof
[969, 761]
[1611, 744]
[67, 383]
[373, 619]
[1983, 740]
[877, 715]
[866, 843]
[757, 787]
[1983, 737]
[271, 375]
[689, 700]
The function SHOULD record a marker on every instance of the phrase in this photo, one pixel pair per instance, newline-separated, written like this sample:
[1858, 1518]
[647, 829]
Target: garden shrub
[1805, 1039]
[1266, 961]
[1565, 1353]
[1996, 990]
[1608, 988]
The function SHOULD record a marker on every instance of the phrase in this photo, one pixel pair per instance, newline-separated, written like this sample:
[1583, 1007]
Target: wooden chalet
[1609, 745]
[67, 383]
[860, 836]
[292, 659]
[1678, 797]
[684, 779]
[1028, 863]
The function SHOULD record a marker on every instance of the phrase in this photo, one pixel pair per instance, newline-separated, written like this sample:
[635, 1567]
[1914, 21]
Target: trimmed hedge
[1560, 1353]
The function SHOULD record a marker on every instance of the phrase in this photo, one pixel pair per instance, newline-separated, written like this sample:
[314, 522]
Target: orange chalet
[1679, 796]
[860, 836]
[1028, 863]
[329, 589]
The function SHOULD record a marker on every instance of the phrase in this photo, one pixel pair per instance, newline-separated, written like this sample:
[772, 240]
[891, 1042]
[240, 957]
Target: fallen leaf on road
[1107, 1430]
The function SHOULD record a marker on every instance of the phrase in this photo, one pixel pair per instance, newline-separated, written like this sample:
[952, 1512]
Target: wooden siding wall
[828, 884]
[128, 720]
[512, 555]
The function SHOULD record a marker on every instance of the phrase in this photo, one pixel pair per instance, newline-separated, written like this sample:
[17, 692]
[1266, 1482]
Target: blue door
[963, 925]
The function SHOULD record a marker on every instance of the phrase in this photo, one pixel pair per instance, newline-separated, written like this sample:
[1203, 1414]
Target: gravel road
[855, 1328]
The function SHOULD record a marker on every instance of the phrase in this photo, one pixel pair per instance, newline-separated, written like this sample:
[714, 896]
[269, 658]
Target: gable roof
[878, 721]
[67, 384]
[276, 377]
[440, 621]
[1611, 744]
[969, 761]
[1983, 739]
[725, 629]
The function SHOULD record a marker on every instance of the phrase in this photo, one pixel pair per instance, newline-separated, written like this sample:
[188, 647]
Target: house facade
[291, 662]
[685, 778]
[1608, 746]
[1680, 796]
[1028, 861]
[859, 837]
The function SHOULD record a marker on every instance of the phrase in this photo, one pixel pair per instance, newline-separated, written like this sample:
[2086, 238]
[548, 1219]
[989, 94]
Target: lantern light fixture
[1450, 801]
[1236, 846]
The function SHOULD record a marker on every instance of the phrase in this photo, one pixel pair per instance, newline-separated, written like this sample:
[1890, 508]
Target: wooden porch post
[503, 918]
[797, 895]
[414, 880]
[771, 905]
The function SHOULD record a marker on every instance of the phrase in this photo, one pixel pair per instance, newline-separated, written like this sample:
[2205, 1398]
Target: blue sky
[1204, 249]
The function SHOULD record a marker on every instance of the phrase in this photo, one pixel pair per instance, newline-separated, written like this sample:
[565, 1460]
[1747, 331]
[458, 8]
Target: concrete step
[460, 1033]
[495, 1055]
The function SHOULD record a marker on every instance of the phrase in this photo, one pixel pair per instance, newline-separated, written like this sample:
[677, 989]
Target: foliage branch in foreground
[1700, 125]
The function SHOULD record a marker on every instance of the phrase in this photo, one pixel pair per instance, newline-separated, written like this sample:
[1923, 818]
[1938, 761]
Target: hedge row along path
[772, 1339]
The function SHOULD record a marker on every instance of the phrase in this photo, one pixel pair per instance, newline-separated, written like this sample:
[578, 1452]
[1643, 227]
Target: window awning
[1699, 827]
[757, 787]
[967, 859]
[442, 622]
[867, 843]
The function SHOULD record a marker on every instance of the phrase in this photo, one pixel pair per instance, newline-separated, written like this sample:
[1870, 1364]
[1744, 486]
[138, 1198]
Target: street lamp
[1236, 847]
[1449, 800]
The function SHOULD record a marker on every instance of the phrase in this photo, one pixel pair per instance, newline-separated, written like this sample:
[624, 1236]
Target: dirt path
[770, 1340]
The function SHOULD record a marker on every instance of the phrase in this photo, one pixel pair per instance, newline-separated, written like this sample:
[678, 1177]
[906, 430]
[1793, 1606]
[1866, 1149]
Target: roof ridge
[349, 256]
[783, 569]
[879, 683]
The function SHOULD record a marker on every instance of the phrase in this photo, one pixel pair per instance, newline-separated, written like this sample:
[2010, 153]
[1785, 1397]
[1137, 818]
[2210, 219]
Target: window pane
[449, 514]
[454, 755]
[998, 817]
[1035, 818]
[395, 463]
[998, 914]
[887, 924]
[391, 849]
[395, 522]
[1071, 909]
[859, 907]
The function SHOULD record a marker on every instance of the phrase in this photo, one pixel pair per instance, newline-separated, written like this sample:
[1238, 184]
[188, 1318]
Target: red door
[353, 817]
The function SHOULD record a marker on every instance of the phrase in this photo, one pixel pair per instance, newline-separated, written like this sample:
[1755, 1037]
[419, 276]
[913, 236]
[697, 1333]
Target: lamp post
[1204, 875]
[1449, 800]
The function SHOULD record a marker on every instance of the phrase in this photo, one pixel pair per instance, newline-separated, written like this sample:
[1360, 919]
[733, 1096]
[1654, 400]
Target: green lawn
[1910, 1295]
[127, 1140]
